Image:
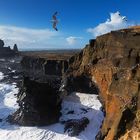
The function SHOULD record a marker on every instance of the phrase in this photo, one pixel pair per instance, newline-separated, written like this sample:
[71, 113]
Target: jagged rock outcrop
[39, 103]
[112, 63]
[15, 48]
[6, 51]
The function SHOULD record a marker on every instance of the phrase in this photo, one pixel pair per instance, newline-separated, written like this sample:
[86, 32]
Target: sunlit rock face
[119, 91]
[112, 63]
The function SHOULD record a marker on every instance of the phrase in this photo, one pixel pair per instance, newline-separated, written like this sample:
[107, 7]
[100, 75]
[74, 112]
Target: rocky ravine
[112, 62]
[39, 97]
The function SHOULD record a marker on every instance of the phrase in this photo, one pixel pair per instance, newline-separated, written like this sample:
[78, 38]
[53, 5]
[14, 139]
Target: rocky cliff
[108, 66]
[7, 51]
[112, 63]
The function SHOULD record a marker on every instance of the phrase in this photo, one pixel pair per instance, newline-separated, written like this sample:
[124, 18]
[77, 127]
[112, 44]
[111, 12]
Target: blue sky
[28, 22]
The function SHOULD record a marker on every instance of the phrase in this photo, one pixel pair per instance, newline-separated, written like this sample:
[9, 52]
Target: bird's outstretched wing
[55, 21]
[54, 16]
[54, 26]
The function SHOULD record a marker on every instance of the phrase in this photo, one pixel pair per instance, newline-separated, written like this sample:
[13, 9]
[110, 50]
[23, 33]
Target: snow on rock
[7, 99]
[2, 60]
[1, 76]
[9, 68]
[74, 106]
[13, 71]
[15, 77]
[12, 60]
[83, 105]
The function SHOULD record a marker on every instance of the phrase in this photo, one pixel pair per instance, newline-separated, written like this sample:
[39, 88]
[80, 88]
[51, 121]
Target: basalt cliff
[108, 66]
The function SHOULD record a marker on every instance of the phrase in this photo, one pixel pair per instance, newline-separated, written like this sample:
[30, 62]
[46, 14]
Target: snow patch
[83, 105]
[13, 71]
[9, 68]
[7, 100]
[15, 77]
[2, 60]
[1, 75]
[12, 61]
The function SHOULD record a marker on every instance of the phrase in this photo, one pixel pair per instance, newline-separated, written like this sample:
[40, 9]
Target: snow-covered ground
[76, 102]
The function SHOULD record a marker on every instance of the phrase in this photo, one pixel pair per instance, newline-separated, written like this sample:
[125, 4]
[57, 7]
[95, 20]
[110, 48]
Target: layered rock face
[42, 67]
[119, 91]
[112, 63]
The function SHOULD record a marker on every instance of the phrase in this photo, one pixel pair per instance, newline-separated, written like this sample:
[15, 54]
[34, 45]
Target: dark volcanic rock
[6, 51]
[80, 83]
[39, 103]
[39, 67]
[39, 98]
[1, 43]
[15, 48]
[74, 126]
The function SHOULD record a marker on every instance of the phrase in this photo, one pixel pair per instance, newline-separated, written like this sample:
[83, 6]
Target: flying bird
[55, 21]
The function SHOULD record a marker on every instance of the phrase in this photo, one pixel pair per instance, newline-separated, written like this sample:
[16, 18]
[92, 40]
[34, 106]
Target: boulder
[74, 127]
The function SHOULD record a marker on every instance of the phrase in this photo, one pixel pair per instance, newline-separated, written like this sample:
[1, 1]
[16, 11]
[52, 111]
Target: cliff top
[135, 27]
[51, 55]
